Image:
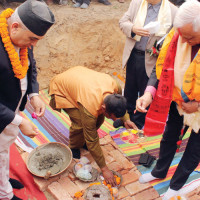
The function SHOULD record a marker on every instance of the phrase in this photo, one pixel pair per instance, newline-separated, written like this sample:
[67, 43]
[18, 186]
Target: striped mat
[53, 126]
[151, 145]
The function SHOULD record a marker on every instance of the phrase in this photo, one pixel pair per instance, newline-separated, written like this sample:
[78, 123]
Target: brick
[109, 159]
[64, 174]
[149, 194]
[108, 139]
[159, 198]
[115, 166]
[119, 157]
[124, 171]
[69, 186]
[42, 183]
[114, 145]
[195, 197]
[72, 176]
[94, 164]
[138, 173]
[192, 193]
[108, 147]
[134, 168]
[70, 168]
[129, 178]
[135, 187]
[58, 192]
[129, 198]
[107, 156]
[122, 193]
[82, 185]
[103, 141]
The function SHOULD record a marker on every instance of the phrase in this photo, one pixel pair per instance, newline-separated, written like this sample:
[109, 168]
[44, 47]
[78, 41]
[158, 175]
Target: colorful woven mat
[53, 126]
[152, 145]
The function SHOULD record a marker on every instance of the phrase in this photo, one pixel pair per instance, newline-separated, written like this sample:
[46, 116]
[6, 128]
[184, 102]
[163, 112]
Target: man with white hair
[19, 32]
[178, 91]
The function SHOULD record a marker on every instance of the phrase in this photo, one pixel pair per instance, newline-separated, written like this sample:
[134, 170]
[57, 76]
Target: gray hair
[188, 12]
[15, 18]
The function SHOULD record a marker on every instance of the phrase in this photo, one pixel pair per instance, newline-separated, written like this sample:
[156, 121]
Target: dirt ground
[88, 37]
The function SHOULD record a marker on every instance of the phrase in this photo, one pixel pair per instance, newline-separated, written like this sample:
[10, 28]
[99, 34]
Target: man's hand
[38, 105]
[140, 31]
[190, 107]
[130, 125]
[143, 102]
[108, 176]
[28, 129]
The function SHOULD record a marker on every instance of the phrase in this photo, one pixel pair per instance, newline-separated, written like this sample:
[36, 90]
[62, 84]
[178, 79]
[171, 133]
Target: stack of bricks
[65, 185]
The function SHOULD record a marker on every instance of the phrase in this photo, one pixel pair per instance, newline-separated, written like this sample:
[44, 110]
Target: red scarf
[157, 114]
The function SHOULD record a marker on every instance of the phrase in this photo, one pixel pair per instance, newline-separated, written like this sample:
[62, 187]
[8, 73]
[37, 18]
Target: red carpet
[19, 171]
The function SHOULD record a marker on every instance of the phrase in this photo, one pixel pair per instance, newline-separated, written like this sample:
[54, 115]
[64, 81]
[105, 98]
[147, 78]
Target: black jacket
[10, 90]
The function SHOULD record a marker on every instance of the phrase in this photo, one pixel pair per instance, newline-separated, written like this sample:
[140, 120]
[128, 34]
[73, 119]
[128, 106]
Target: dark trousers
[168, 146]
[136, 82]
[83, 1]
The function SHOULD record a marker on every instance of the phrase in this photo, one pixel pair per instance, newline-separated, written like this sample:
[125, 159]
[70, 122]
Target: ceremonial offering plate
[94, 172]
[132, 136]
[49, 159]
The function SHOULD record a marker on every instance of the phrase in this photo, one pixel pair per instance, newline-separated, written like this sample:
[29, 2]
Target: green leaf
[155, 44]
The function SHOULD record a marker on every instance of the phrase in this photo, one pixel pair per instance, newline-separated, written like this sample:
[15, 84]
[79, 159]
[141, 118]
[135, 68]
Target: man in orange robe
[87, 96]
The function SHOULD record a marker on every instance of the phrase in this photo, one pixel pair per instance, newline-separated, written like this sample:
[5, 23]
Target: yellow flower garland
[19, 65]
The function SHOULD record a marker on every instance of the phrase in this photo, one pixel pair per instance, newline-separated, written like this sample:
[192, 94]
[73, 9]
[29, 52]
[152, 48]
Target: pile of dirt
[88, 37]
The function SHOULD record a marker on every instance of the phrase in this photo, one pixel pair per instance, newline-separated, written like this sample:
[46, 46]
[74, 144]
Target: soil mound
[88, 37]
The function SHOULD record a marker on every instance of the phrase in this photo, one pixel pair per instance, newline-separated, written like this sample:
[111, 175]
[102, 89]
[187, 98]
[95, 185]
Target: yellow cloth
[84, 86]
[164, 17]
[186, 76]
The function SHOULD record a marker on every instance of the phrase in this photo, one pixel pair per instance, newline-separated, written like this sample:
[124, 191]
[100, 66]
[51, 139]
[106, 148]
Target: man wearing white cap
[19, 32]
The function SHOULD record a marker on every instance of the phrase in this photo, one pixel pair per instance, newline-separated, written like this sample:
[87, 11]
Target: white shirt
[24, 84]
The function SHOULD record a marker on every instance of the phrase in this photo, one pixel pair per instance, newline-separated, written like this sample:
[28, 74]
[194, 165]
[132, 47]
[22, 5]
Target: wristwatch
[199, 106]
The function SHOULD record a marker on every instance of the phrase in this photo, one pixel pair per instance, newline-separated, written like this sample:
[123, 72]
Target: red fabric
[19, 171]
[158, 111]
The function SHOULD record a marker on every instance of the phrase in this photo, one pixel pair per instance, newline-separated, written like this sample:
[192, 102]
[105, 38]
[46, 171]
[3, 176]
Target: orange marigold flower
[2, 20]
[104, 182]
[98, 183]
[78, 194]
[6, 39]
[2, 25]
[118, 180]
[19, 65]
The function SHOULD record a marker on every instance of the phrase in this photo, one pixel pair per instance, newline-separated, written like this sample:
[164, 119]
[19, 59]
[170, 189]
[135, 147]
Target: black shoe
[105, 2]
[117, 123]
[76, 153]
[16, 184]
[85, 147]
[16, 198]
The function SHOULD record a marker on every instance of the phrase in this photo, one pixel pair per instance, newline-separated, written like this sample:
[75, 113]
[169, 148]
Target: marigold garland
[19, 65]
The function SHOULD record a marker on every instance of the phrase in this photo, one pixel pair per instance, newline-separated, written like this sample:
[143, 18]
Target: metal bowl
[49, 159]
